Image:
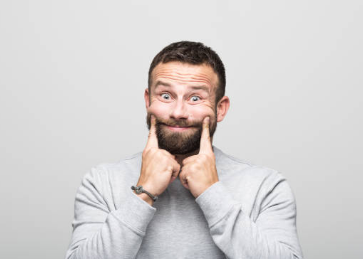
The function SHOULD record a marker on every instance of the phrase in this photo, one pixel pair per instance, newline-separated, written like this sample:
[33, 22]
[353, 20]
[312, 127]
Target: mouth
[177, 128]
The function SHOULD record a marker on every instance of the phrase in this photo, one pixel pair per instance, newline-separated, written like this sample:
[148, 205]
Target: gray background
[72, 76]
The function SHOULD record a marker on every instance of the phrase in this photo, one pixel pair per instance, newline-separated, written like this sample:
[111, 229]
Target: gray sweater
[249, 213]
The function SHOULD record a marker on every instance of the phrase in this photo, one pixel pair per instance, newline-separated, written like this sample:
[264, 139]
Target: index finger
[205, 141]
[152, 139]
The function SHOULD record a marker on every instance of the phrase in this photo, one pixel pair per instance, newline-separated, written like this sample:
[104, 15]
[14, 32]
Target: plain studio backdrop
[72, 78]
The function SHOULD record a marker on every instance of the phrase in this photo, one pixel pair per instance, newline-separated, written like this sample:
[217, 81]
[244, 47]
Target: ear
[147, 98]
[222, 108]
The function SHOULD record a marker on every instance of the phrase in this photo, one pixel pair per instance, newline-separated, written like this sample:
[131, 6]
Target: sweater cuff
[135, 213]
[215, 202]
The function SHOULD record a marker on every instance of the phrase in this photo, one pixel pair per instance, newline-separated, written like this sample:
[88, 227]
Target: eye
[165, 96]
[195, 98]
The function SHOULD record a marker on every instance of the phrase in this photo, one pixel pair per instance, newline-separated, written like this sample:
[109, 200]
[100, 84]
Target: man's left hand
[199, 172]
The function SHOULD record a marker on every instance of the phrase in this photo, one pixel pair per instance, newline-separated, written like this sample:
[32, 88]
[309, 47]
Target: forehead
[184, 73]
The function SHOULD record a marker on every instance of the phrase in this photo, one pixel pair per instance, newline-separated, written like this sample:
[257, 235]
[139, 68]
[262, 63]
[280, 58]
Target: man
[182, 197]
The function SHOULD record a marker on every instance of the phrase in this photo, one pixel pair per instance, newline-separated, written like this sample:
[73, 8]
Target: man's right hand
[159, 168]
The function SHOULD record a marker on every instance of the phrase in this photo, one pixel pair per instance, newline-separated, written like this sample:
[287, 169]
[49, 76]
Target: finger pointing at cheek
[199, 171]
[205, 141]
[159, 168]
[152, 141]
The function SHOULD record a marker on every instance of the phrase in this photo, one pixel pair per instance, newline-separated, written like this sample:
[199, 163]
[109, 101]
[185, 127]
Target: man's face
[181, 96]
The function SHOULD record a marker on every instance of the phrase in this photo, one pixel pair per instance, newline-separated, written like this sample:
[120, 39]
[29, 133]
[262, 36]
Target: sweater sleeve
[101, 232]
[272, 235]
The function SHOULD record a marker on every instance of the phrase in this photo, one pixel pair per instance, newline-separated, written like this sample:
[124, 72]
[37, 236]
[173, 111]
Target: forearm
[114, 240]
[100, 232]
[272, 235]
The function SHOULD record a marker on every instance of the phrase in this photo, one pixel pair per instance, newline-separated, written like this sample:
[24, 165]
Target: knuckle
[145, 153]
[202, 158]
[165, 153]
[162, 152]
[194, 167]
[178, 167]
[182, 173]
[156, 152]
[206, 157]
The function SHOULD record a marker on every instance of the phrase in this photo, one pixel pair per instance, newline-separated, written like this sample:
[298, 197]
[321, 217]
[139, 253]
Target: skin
[182, 92]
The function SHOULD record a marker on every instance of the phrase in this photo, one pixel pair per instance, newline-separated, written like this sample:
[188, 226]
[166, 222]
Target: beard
[180, 143]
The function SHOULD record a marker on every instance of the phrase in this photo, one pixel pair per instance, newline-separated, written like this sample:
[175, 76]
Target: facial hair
[180, 143]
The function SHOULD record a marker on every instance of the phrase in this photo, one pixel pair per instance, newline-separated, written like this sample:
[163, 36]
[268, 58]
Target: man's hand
[159, 168]
[199, 172]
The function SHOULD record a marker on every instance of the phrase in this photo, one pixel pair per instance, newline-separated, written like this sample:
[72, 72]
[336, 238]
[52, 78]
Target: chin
[179, 143]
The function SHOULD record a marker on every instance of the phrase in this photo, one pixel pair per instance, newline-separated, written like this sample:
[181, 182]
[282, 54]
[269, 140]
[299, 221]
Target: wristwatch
[139, 190]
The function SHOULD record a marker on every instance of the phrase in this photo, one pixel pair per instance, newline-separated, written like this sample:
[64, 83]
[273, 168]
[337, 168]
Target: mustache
[179, 123]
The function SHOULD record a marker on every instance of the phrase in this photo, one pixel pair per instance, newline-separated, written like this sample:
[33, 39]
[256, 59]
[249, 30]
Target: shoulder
[228, 164]
[253, 179]
[109, 183]
[112, 173]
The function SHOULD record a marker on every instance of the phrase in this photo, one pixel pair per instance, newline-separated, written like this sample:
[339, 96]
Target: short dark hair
[195, 53]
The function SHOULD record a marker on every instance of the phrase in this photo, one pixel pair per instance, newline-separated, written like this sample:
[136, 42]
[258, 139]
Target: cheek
[158, 109]
[200, 112]
[195, 112]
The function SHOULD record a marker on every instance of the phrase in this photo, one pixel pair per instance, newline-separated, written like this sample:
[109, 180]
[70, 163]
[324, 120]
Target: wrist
[202, 190]
[144, 194]
[145, 198]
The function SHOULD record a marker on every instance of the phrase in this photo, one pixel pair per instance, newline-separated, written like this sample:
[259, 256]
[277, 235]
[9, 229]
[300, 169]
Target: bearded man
[182, 197]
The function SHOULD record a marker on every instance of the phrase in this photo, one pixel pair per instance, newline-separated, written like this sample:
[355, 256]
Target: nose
[179, 110]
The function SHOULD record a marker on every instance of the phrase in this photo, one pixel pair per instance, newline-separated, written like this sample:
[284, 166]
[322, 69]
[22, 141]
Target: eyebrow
[197, 87]
[200, 87]
[158, 83]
